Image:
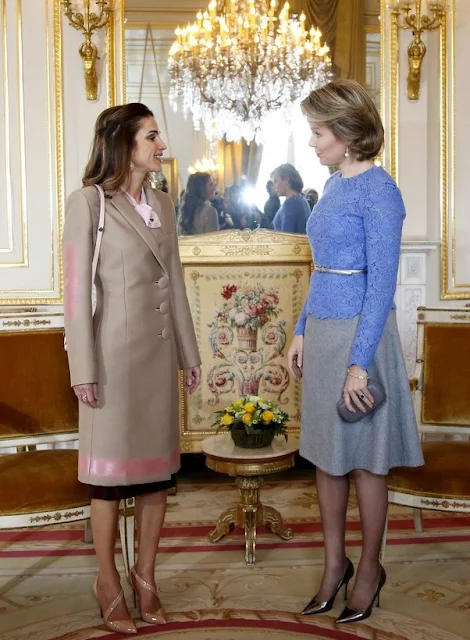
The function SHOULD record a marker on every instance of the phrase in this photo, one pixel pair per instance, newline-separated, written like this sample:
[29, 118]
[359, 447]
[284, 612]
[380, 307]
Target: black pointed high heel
[314, 606]
[349, 615]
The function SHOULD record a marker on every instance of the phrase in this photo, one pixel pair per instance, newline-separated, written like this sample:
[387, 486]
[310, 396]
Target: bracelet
[353, 375]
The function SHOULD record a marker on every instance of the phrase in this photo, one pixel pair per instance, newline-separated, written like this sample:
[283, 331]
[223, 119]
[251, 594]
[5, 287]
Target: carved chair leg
[88, 534]
[127, 534]
[418, 518]
[384, 541]
[174, 490]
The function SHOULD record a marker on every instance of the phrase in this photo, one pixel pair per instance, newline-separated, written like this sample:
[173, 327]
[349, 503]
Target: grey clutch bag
[377, 392]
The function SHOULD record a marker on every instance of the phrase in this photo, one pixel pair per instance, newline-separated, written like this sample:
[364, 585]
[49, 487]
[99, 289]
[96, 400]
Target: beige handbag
[96, 252]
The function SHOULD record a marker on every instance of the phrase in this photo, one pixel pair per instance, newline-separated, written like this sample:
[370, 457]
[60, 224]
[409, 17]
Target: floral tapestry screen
[244, 316]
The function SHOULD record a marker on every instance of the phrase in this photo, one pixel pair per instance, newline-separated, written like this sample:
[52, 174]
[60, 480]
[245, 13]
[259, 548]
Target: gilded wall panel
[46, 126]
[455, 184]
[30, 203]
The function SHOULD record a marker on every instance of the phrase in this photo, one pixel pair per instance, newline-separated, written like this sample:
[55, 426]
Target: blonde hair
[346, 108]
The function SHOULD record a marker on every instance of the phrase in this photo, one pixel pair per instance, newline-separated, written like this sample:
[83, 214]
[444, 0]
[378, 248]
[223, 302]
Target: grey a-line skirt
[389, 436]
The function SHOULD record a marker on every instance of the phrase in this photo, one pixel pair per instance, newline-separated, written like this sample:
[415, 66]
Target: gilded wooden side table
[248, 466]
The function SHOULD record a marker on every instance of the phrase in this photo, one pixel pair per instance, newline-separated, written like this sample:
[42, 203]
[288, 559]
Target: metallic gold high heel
[157, 617]
[349, 615]
[120, 626]
[314, 606]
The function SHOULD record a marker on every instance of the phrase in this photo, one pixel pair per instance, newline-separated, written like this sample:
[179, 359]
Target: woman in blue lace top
[347, 331]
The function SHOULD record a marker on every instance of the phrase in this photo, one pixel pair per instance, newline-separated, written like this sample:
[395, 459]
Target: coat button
[163, 308]
[165, 334]
[163, 282]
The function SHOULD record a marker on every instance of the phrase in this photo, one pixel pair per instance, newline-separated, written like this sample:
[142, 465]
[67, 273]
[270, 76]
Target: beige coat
[141, 333]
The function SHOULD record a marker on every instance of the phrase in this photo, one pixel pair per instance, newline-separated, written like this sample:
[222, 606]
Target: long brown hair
[194, 197]
[111, 151]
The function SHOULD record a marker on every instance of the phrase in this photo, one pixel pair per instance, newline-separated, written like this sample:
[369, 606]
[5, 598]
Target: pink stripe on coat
[71, 283]
[123, 469]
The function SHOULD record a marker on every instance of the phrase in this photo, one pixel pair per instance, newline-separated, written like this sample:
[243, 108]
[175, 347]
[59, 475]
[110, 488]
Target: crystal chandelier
[205, 165]
[241, 62]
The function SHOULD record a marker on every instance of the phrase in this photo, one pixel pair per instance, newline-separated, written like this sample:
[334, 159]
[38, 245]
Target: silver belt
[340, 272]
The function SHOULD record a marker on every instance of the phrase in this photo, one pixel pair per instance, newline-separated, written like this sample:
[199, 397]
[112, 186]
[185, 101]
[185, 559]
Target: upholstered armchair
[441, 391]
[38, 483]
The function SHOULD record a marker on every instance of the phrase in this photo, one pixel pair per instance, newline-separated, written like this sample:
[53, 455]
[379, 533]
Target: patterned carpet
[209, 593]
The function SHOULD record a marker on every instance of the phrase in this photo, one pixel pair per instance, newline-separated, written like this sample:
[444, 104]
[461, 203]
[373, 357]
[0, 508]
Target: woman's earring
[132, 166]
[346, 153]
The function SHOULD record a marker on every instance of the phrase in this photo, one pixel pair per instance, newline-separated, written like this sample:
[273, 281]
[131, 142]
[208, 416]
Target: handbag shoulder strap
[99, 235]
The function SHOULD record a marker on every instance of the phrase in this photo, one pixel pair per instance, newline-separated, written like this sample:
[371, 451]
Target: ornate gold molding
[443, 503]
[111, 60]
[59, 143]
[25, 323]
[122, 60]
[450, 288]
[256, 468]
[256, 245]
[54, 295]
[390, 104]
[23, 261]
[58, 516]
[116, 72]
[444, 147]
[54, 125]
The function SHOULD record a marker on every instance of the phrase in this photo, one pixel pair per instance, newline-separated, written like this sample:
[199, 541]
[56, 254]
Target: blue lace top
[293, 215]
[356, 224]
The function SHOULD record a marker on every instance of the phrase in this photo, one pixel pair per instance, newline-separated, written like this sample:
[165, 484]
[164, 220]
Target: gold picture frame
[220, 269]
[170, 171]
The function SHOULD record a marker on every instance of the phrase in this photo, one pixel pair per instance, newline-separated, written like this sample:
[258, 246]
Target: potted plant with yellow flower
[252, 421]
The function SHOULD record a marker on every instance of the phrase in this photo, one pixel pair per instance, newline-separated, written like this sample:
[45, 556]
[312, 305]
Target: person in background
[271, 206]
[180, 200]
[197, 215]
[218, 203]
[295, 211]
[311, 195]
[346, 333]
[163, 185]
[124, 359]
[234, 207]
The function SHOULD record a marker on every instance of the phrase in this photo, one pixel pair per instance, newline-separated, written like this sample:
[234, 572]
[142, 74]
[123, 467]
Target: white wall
[147, 81]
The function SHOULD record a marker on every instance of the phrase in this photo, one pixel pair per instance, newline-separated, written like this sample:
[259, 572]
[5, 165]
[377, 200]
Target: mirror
[149, 34]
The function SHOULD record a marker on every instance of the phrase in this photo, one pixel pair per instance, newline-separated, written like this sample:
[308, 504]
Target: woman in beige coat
[124, 359]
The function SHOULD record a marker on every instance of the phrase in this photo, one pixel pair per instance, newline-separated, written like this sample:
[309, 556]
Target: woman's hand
[87, 393]
[295, 356]
[192, 378]
[355, 390]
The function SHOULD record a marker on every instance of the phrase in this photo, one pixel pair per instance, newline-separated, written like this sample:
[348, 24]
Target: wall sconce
[417, 23]
[88, 22]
